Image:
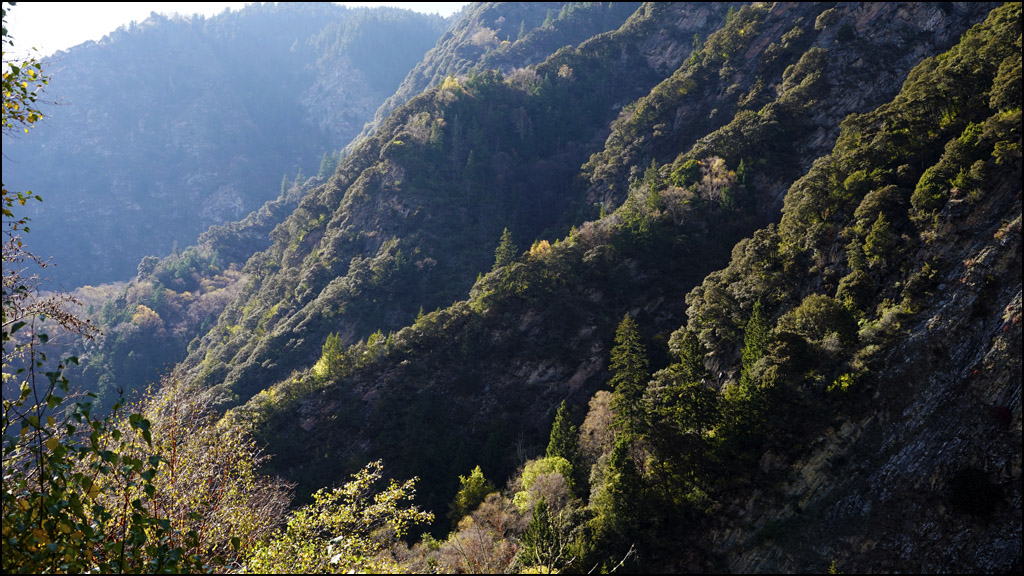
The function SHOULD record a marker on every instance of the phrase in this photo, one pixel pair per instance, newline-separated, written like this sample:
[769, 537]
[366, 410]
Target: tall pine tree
[755, 344]
[505, 253]
[564, 443]
[630, 374]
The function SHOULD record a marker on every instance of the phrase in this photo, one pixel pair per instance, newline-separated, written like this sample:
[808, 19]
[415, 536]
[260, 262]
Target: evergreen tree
[327, 166]
[691, 357]
[629, 368]
[564, 443]
[878, 246]
[541, 543]
[506, 251]
[682, 409]
[620, 501]
[652, 177]
[755, 344]
[548, 20]
[563, 435]
[332, 358]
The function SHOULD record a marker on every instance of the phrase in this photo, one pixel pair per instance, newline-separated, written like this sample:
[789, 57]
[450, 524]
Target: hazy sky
[53, 26]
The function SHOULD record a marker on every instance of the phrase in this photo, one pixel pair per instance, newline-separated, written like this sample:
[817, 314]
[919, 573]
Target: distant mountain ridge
[505, 36]
[171, 125]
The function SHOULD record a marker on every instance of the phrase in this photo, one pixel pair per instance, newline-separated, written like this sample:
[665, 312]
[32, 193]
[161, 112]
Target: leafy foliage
[343, 529]
[473, 492]
[23, 81]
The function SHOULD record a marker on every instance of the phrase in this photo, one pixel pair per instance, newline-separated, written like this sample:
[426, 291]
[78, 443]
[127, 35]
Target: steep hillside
[413, 214]
[125, 357]
[895, 279]
[463, 385]
[147, 323]
[771, 92]
[170, 125]
[505, 36]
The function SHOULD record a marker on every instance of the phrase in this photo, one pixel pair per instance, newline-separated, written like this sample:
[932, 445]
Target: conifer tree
[563, 435]
[505, 253]
[332, 359]
[619, 504]
[326, 167]
[691, 357]
[541, 543]
[682, 409]
[755, 344]
[564, 443]
[630, 374]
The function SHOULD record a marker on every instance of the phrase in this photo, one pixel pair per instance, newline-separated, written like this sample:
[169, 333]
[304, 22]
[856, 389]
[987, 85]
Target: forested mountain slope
[505, 36]
[463, 385]
[170, 125]
[146, 324]
[412, 216]
[188, 290]
[893, 292]
[773, 91]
